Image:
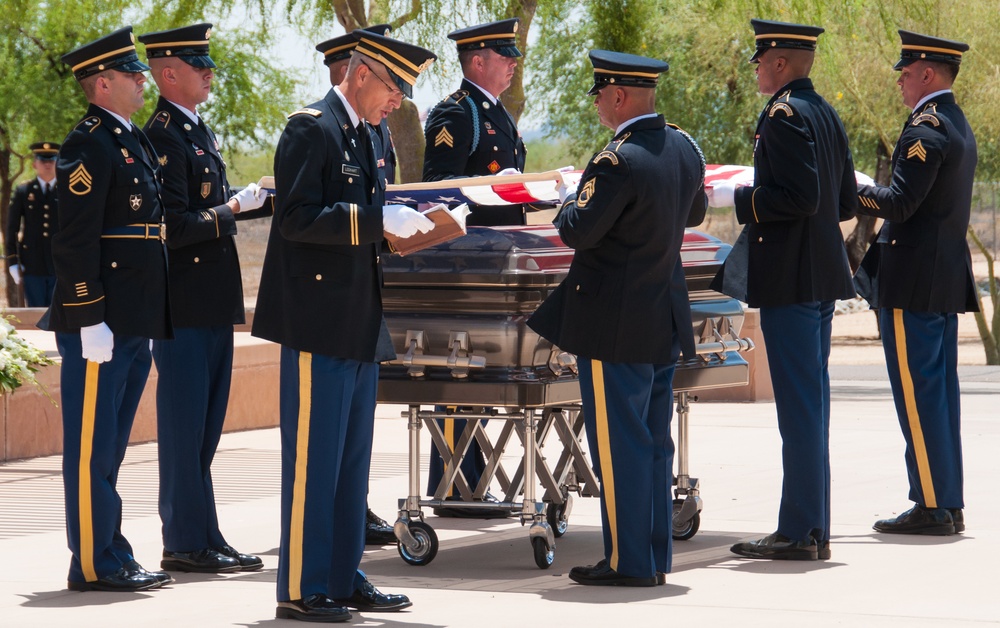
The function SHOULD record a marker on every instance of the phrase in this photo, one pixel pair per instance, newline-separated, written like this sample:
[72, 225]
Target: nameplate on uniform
[352, 171]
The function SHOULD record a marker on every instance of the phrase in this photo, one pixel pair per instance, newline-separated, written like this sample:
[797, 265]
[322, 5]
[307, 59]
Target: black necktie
[365, 139]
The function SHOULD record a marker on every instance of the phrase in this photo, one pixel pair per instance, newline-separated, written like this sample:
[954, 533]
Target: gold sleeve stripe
[753, 204]
[296, 529]
[215, 217]
[84, 497]
[912, 413]
[355, 239]
[86, 303]
[869, 202]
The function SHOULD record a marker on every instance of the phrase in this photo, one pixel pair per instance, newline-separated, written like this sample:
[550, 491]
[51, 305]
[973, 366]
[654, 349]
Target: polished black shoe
[315, 607]
[122, 581]
[377, 530]
[161, 577]
[460, 512]
[201, 561]
[778, 547]
[958, 518]
[603, 575]
[368, 599]
[919, 520]
[823, 551]
[248, 562]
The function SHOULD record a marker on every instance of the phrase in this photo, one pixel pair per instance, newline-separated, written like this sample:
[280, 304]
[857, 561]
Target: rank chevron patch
[918, 151]
[80, 181]
[444, 137]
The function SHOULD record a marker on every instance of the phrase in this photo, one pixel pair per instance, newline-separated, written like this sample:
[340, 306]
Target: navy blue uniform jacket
[920, 260]
[33, 250]
[320, 287]
[625, 292]
[803, 187]
[108, 179]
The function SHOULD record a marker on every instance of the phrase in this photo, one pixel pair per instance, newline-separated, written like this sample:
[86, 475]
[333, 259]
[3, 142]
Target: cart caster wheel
[543, 555]
[554, 514]
[684, 530]
[428, 548]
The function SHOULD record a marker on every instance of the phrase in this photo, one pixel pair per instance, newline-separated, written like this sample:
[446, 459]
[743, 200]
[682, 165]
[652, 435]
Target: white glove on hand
[250, 197]
[403, 222]
[563, 189]
[96, 342]
[507, 171]
[460, 213]
[15, 274]
[863, 179]
[721, 194]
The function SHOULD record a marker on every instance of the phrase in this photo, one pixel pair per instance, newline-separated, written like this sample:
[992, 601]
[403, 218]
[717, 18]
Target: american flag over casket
[535, 188]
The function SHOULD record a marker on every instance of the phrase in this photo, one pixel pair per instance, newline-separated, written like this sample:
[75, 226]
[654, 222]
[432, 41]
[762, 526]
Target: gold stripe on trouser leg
[84, 503]
[296, 532]
[604, 450]
[912, 414]
[449, 437]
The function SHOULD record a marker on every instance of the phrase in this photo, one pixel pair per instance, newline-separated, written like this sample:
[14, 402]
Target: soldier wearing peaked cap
[324, 252]
[33, 207]
[336, 54]
[623, 310]
[110, 300]
[195, 366]
[792, 258]
[469, 133]
[918, 274]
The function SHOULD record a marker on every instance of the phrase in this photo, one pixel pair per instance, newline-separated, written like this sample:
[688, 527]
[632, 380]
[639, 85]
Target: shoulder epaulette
[310, 112]
[161, 118]
[90, 123]
[460, 95]
[927, 116]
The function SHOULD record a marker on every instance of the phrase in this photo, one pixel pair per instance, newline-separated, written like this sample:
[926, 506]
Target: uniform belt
[140, 231]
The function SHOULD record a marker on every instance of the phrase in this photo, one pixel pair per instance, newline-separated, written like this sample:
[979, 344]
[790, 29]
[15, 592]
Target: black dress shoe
[958, 518]
[121, 581]
[603, 575]
[377, 530]
[778, 547]
[371, 600]
[202, 561]
[919, 520]
[460, 512]
[161, 577]
[316, 607]
[823, 550]
[248, 562]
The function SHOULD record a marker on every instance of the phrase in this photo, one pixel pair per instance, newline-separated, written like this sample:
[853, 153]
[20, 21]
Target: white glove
[15, 274]
[403, 222]
[460, 213]
[721, 194]
[563, 189]
[863, 179]
[250, 197]
[96, 342]
[507, 171]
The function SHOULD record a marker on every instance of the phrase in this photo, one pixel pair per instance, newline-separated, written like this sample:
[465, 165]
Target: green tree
[39, 99]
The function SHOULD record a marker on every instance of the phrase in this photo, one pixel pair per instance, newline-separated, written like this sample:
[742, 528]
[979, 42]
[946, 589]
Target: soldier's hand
[96, 342]
[250, 197]
[721, 194]
[507, 171]
[564, 190]
[863, 179]
[15, 274]
[403, 222]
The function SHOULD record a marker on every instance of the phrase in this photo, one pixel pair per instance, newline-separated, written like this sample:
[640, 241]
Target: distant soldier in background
[33, 208]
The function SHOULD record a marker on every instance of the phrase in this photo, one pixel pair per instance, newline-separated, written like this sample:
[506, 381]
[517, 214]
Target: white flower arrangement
[19, 359]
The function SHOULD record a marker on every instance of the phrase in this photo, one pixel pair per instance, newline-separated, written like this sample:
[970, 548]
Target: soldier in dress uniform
[336, 54]
[469, 133]
[792, 264]
[623, 310]
[110, 300]
[33, 207]
[918, 274]
[323, 253]
[206, 290]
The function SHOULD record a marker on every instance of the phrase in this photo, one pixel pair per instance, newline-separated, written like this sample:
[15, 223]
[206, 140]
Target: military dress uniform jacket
[625, 291]
[206, 288]
[107, 270]
[467, 136]
[385, 152]
[920, 260]
[37, 210]
[803, 187]
[320, 287]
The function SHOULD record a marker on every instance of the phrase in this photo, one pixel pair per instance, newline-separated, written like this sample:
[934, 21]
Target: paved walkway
[485, 575]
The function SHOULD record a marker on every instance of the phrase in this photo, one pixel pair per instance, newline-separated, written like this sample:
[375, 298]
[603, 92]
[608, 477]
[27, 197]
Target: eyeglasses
[395, 91]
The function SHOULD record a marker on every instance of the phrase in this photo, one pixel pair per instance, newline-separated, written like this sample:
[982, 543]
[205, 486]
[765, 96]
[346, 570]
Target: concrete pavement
[484, 574]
